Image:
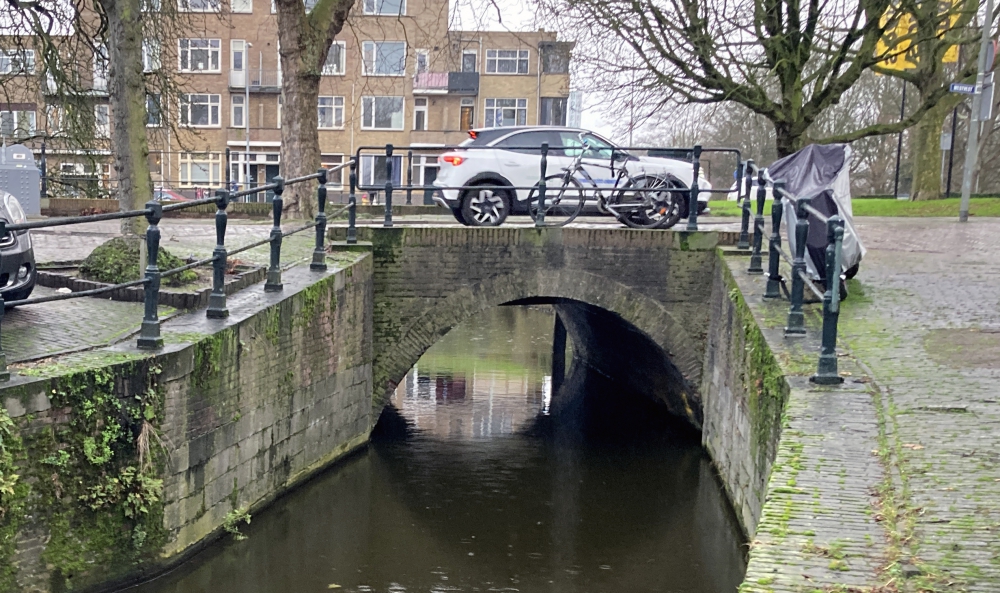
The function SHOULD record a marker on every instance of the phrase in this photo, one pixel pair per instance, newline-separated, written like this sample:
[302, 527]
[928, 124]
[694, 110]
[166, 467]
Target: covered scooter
[821, 174]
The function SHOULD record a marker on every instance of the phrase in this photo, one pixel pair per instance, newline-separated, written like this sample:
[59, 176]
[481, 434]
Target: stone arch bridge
[634, 303]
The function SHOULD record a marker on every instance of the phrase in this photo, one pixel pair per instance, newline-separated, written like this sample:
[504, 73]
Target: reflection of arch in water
[632, 337]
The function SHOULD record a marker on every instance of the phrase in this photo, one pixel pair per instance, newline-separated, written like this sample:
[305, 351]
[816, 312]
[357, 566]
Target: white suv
[493, 159]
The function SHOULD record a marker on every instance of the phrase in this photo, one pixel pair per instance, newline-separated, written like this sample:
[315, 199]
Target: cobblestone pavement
[924, 317]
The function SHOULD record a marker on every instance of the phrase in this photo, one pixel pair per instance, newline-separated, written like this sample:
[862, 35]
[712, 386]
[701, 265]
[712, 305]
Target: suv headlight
[17, 215]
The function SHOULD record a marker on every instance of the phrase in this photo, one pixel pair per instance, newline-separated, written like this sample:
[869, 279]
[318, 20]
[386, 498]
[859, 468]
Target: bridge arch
[573, 291]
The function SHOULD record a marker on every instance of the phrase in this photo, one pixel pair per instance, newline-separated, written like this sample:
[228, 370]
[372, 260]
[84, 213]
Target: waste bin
[19, 176]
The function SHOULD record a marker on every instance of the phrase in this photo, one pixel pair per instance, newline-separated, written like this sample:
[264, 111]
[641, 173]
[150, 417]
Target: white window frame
[334, 179]
[151, 53]
[466, 52]
[417, 109]
[245, 6]
[101, 64]
[210, 102]
[520, 104]
[158, 101]
[336, 69]
[24, 58]
[54, 116]
[370, 57]
[373, 8]
[369, 164]
[242, 107]
[426, 55]
[336, 107]
[185, 6]
[522, 55]
[102, 120]
[22, 120]
[210, 161]
[183, 53]
[370, 100]
[238, 46]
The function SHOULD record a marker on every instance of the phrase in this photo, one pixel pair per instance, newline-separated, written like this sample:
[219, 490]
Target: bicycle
[641, 201]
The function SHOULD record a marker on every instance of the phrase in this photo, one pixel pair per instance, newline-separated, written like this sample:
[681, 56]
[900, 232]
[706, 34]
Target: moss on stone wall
[117, 261]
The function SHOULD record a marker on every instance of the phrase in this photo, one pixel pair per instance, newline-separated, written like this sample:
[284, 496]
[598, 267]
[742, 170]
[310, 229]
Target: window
[467, 119]
[525, 140]
[202, 169]
[555, 58]
[17, 124]
[506, 61]
[17, 61]
[200, 110]
[54, 116]
[200, 55]
[150, 55]
[373, 171]
[389, 7]
[423, 60]
[101, 69]
[420, 113]
[334, 65]
[469, 59]
[331, 112]
[242, 5]
[199, 5]
[506, 112]
[599, 149]
[384, 58]
[149, 6]
[553, 111]
[102, 121]
[381, 113]
[154, 114]
[334, 179]
[281, 104]
[238, 111]
[72, 169]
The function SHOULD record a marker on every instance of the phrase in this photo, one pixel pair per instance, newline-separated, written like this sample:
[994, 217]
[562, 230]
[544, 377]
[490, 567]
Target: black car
[17, 256]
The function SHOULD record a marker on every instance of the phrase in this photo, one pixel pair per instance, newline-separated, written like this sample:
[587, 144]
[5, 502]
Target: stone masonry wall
[243, 409]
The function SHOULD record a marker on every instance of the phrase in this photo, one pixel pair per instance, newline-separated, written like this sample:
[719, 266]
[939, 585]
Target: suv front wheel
[485, 205]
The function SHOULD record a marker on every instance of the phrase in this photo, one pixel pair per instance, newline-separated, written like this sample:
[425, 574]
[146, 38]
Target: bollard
[409, 177]
[796, 320]
[693, 198]
[273, 283]
[744, 241]
[773, 290]
[352, 206]
[149, 331]
[217, 308]
[826, 371]
[319, 253]
[758, 227]
[4, 373]
[388, 186]
[544, 164]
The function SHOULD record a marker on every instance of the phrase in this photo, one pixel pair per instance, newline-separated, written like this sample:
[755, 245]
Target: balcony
[446, 83]
[260, 81]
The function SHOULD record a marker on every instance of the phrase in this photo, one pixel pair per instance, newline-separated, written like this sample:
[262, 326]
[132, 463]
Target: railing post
[44, 170]
[744, 242]
[319, 253]
[543, 166]
[217, 308]
[693, 198]
[409, 177]
[758, 226]
[388, 186]
[773, 290]
[149, 331]
[4, 373]
[352, 206]
[796, 320]
[826, 371]
[229, 169]
[273, 283]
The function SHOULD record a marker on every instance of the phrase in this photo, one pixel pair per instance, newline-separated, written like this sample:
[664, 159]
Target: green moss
[117, 261]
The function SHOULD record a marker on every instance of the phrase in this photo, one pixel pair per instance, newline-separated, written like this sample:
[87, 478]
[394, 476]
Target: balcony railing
[452, 83]
[260, 81]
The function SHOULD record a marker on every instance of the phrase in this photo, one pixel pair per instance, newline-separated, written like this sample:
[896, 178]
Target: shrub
[117, 261]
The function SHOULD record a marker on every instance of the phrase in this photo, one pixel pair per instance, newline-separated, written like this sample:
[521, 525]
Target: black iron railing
[826, 373]
[149, 331]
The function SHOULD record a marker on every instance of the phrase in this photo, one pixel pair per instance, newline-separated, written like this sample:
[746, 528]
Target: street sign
[986, 111]
[962, 88]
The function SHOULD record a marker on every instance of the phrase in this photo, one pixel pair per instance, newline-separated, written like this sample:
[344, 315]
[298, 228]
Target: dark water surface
[483, 491]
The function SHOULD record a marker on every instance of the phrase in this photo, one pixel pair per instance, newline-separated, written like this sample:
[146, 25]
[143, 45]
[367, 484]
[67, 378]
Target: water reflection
[477, 490]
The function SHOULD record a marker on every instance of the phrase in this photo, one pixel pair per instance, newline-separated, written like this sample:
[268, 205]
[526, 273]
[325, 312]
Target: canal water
[471, 483]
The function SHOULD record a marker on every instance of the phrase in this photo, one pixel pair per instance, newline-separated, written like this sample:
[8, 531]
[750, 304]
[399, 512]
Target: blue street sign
[963, 88]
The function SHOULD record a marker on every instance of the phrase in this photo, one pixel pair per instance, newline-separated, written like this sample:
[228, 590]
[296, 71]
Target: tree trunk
[788, 138]
[925, 154]
[127, 98]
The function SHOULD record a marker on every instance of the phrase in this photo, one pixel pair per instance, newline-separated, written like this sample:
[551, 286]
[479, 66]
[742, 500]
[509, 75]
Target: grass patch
[986, 207]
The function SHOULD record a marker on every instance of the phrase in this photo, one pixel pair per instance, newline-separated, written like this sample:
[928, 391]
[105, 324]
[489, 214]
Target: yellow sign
[897, 44]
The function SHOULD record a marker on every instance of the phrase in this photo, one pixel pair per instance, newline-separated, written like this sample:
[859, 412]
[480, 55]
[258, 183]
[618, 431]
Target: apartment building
[395, 75]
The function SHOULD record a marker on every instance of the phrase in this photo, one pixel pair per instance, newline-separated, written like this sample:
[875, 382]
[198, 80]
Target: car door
[519, 156]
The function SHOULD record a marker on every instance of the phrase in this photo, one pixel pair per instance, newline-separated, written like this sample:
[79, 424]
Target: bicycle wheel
[649, 202]
[563, 200]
